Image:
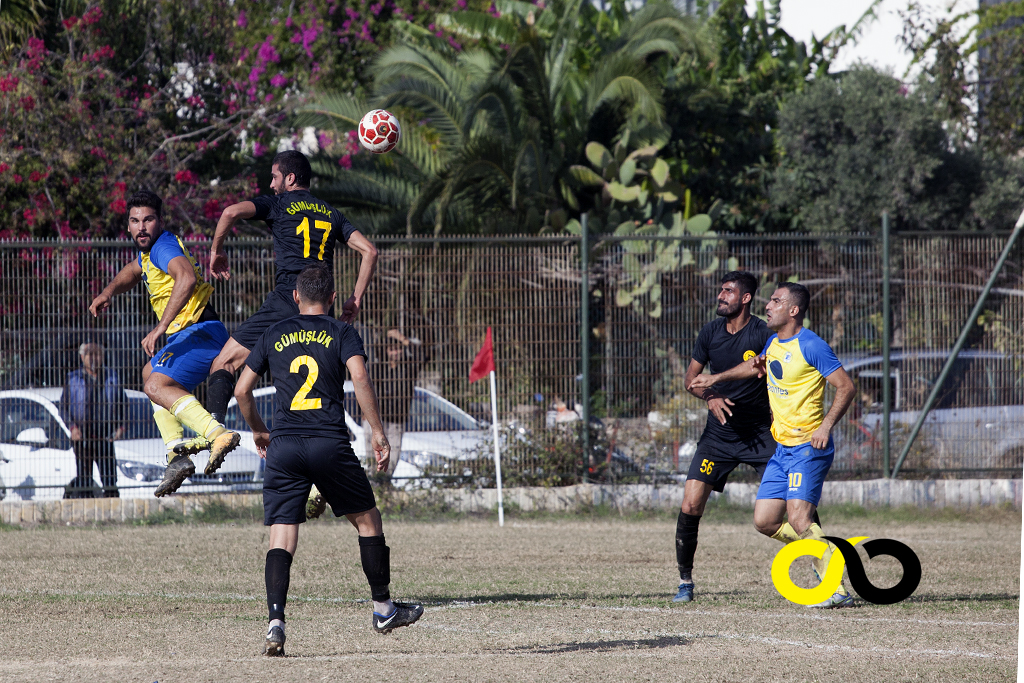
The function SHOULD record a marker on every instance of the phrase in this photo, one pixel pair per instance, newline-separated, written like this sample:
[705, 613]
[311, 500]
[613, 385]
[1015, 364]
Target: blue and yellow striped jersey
[154, 273]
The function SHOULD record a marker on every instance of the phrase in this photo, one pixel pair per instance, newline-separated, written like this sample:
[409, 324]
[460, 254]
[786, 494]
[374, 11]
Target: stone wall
[959, 493]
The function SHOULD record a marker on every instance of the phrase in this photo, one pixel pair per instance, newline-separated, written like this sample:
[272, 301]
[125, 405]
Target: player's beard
[144, 249]
[727, 311]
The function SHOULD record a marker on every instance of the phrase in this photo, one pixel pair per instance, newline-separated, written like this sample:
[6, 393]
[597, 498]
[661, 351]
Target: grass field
[545, 598]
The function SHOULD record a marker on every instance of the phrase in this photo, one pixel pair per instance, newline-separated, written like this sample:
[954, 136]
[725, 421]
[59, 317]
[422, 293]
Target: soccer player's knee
[693, 507]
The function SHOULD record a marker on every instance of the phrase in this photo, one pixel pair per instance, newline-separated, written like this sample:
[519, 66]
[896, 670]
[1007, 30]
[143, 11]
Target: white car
[438, 433]
[37, 460]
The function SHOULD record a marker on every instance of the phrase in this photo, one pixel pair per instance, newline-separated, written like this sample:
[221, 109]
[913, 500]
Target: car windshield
[20, 414]
[141, 424]
[265, 404]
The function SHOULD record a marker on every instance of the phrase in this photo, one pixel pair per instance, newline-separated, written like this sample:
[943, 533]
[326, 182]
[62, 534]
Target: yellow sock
[786, 534]
[170, 429]
[814, 532]
[191, 413]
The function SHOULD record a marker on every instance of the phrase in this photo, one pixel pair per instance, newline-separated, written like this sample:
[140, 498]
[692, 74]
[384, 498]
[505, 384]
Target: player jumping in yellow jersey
[181, 299]
[797, 363]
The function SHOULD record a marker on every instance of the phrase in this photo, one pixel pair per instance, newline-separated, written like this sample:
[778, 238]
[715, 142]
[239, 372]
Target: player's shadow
[536, 597]
[604, 645]
[973, 597]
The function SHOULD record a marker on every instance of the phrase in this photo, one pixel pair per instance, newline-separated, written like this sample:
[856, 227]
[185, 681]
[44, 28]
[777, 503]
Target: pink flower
[70, 22]
[279, 80]
[17, 179]
[36, 176]
[267, 53]
[186, 178]
[8, 83]
[28, 103]
[242, 20]
[4, 168]
[29, 216]
[345, 161]
[211, 209]
[258, 149]
[92, 16]
[119, 206]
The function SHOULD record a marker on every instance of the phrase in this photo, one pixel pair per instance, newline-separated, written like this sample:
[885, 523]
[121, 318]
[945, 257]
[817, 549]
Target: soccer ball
[379, 131]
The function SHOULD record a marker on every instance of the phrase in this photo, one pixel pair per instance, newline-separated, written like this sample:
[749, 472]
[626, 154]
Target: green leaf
[627, 171]
[586, 176]
[712, 267]
[733, 263]
[659, 173]
[573, 227]
[597, 154]
[647, 152]
[623, 297]
[699, 224]
[687, 257]
[622, 193]
[611, 171]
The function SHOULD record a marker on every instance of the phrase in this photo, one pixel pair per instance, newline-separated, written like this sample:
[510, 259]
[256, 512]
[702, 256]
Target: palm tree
[502, 122]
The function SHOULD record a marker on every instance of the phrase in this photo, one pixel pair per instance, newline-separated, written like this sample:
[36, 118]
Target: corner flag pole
[497, 455]
[483, 365]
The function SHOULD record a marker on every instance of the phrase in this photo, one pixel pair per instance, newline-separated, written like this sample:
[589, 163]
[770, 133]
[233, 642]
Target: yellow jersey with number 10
[796, 372]
[154, 265]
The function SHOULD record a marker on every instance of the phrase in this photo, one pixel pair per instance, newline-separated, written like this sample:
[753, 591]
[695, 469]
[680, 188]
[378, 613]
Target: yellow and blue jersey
[796, 372]
[154, 273]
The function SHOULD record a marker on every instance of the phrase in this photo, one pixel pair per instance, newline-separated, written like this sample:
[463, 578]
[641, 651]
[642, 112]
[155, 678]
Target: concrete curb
[956, 493]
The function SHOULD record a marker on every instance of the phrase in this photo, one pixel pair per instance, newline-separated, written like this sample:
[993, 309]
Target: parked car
[977, 421]
[437, 432]
[39, 461]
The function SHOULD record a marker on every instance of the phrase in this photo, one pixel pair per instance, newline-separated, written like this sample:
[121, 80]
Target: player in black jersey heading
[307, 356]
[729, 439]
[305, 231]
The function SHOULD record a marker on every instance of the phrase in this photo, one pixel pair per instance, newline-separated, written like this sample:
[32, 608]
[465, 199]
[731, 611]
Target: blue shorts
[797, 472]
[189, 354]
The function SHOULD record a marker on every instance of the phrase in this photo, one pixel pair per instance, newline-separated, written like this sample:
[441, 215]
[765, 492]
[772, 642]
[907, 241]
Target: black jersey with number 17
[306, 356]
[305, 230]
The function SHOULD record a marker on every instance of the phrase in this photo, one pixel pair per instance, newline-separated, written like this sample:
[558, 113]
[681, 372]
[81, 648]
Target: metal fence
[424, 319]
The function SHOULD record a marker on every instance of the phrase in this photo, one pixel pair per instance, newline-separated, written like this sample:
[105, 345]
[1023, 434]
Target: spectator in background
[394, 374]
[94, 407]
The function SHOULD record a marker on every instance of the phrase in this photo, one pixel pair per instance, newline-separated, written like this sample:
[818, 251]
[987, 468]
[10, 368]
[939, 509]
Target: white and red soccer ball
[379, 131]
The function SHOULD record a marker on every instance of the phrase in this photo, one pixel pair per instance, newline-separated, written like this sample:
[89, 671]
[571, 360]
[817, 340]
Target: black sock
[278, 574]
[686, 544]
[376, 557]
[220, 387]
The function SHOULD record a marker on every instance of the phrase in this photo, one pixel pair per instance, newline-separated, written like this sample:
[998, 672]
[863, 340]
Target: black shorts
[295, 463]
[717, 455]
[279, 306]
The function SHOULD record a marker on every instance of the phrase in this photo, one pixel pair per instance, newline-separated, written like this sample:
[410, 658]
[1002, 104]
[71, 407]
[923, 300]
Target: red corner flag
[483, 364]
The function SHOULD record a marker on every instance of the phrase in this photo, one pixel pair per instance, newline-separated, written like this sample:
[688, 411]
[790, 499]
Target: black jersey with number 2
[306, 356]
[721, 351]
[305, 230]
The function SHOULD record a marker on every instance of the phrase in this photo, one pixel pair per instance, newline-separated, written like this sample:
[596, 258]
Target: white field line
[810, 615]
[237, 597]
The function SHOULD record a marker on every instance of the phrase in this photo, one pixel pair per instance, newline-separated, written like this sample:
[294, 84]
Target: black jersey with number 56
[305, 230]
[306, 356]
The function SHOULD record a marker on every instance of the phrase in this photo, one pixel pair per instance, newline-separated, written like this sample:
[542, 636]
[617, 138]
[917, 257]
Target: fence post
[968, 324]
[585, 342]
[886, 345]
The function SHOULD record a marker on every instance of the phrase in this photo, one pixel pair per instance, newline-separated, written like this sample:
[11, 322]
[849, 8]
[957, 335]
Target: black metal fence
[431, 301]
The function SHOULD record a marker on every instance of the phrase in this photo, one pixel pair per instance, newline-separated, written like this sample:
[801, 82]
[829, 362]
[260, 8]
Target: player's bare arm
[219, 268]
[184, 284]
[844, 396]
[717, 403]
[247, 405]
[755, 367]
[367, 399]
[128, 277]
[367, 264]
